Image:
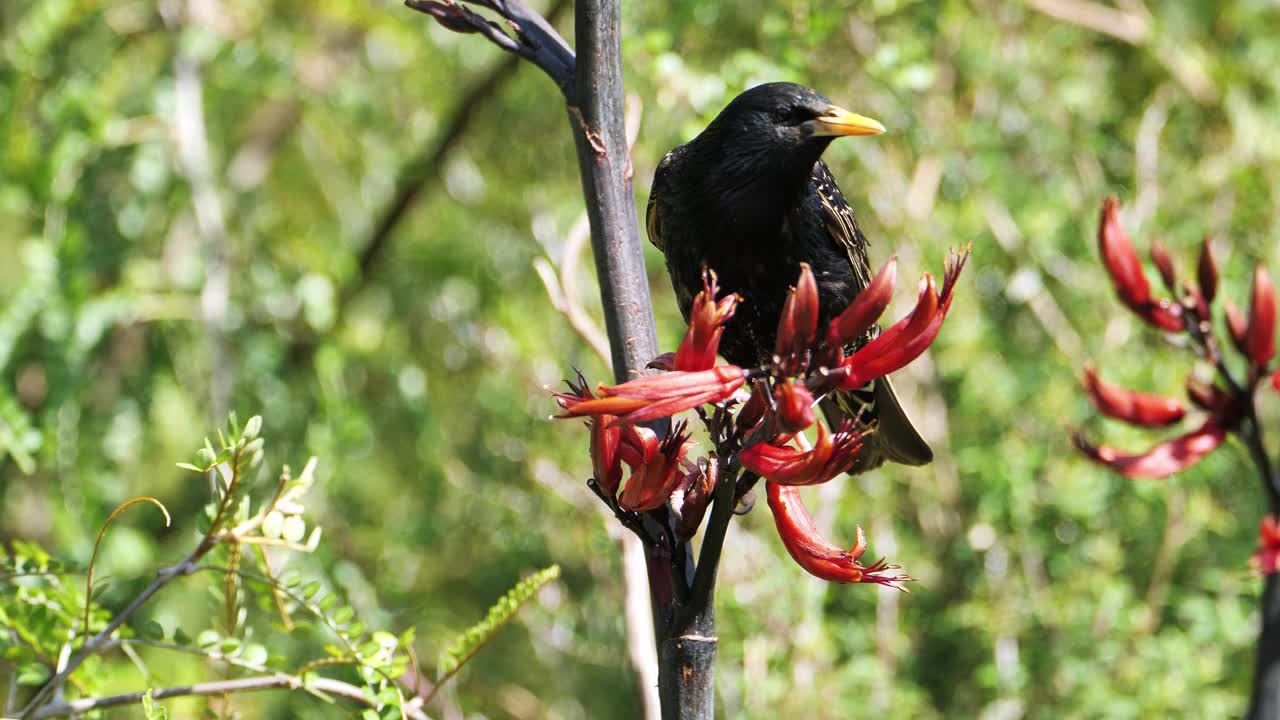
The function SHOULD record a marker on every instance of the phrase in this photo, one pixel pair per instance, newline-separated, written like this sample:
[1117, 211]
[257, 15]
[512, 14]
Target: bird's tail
[895, 437]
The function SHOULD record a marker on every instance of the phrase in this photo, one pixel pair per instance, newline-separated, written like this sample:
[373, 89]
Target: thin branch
[1172, 540]
[1252, 436]
[416, 177]
[704, 579]
[1124, 26]
[98, 642]
[1134, 26]
[278, 681]
[562, 292]
[534, 38]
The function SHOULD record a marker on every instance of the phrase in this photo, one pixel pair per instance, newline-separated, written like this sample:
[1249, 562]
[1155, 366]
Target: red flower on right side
[1227, 402]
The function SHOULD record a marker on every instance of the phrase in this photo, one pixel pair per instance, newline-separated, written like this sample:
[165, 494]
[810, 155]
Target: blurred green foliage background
[1046, 588]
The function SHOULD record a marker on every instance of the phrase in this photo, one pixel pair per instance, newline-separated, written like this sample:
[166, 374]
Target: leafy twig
[277, 681]
[97, 544]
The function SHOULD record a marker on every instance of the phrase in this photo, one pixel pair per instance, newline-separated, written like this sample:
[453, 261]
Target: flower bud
[1207, 271]
[700, 485]
[798, 325]
[1121, 261]
[1133, 407]
[1164, 263]
[1260, 337]
[1237, 326]
[252, 427]
[854, 322]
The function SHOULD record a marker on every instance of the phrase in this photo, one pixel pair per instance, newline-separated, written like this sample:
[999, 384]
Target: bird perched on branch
[751, 198]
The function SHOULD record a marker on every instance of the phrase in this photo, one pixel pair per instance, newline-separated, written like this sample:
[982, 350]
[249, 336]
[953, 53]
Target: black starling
[751, 199]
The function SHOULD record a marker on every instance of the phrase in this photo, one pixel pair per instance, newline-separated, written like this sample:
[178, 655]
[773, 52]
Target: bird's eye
[793, 115]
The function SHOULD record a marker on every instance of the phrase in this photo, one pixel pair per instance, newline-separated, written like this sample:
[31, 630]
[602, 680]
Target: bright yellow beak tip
[841, 122]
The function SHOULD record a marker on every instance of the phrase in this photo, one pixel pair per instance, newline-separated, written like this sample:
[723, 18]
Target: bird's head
[783, 126]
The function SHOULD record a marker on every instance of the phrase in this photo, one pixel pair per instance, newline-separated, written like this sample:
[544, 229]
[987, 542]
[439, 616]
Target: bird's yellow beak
[839, 121]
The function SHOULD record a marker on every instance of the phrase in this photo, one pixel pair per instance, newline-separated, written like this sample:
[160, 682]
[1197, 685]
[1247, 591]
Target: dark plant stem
[684, 621]
[1265, 701]
[591, 81]
[595, 115]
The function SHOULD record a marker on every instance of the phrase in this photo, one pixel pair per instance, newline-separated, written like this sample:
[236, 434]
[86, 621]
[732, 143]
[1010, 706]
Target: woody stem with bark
[685, 665]
[1265, 701]
[593, 90]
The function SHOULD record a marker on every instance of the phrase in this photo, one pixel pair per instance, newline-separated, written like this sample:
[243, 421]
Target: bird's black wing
[841, 225]
[896, 437]
[685, 272]
[653, 211]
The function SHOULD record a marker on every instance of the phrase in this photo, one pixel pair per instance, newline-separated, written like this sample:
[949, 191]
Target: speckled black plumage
[750, 198]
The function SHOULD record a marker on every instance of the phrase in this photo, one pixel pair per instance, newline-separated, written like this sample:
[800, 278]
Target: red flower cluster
[764, 434]
[1191, 316]
[1266, 559]
[819, 557]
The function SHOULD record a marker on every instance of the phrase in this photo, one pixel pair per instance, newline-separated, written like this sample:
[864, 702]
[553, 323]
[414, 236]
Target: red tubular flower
[851, 324]
[699, 486]
[1275, 380]
[798, 324]
[795, 406]
[818, 556]
[1164, 459]
[1237, 326]
[906, 339]
[606, 464]
[1266, 559]
[1164, 263]
[1207, 271]
[657, 396]
[655, 468]
[752, 412]
[831, 456]
[1126, 272]
[1260, 335]
[706, 325]
[1133, 407]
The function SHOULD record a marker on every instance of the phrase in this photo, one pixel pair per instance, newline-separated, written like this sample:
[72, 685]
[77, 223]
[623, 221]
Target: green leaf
[33, 674]
[475, 637]
[150, 710]
[208, 638]
[343, 615]
[255, 654]
[310, 589]
[252, 427]
[151, 630]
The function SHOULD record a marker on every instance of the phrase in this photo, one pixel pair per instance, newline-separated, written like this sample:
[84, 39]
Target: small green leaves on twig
[477, 636]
